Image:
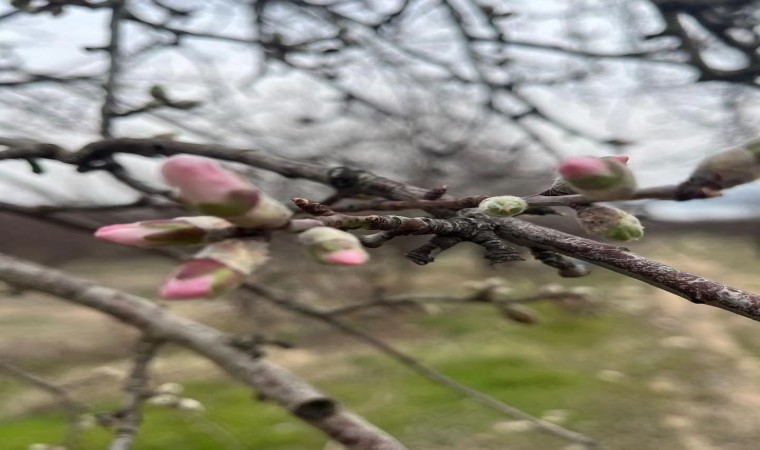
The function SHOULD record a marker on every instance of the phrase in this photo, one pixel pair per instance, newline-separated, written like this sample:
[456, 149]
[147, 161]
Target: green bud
[610, 223]
[722, 171]
[503, 206]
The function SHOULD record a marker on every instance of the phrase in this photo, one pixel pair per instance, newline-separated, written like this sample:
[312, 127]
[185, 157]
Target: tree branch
[691, 287]
[272, 382]
[130, 415]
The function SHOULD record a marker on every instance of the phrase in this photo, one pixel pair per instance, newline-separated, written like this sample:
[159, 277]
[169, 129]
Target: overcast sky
[666, 146]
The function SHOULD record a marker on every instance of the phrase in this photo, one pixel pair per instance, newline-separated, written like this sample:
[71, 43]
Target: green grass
[552, 366]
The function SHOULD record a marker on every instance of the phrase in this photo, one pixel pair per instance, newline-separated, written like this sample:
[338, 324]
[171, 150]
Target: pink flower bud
[583, 167]
[332, 246]
[561, 187]
[157, 233]
[215, 270]
[605, 178]
[207, 187]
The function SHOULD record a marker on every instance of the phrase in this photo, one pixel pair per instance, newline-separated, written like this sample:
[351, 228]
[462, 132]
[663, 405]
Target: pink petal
[125, 234]
[188, 288]
[623, 159]
[202, 180]
[582, 167]
[197, 268]
[347, 258]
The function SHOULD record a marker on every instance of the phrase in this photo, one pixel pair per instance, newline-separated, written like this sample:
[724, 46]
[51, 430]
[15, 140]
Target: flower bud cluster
[233, 207]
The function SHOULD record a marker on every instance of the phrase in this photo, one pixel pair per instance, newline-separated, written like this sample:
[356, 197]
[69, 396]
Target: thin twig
[130, 416]
[421, 369]
[74, 408]
[108, 109]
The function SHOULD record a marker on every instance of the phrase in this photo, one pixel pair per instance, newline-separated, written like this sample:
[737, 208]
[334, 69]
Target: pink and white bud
[215, 270]
[207, 187]
[158, 233]
[610, 223]
[561, 187]
[333, 246]
[605, 178]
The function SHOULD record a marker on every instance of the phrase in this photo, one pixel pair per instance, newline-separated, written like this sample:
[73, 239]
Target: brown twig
[395, 301]
[130, 416]
[74, 408]
[692, 287]
[420, 368]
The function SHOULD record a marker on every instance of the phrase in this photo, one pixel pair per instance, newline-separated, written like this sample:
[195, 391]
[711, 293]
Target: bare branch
[130, 416]
[420, 368]
[691, 287]
[108, 109]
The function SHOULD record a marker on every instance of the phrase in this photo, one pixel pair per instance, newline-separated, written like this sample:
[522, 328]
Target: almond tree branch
[694, 288]
[477, 297]
[271, 381]
[136, 387]
[108, 108]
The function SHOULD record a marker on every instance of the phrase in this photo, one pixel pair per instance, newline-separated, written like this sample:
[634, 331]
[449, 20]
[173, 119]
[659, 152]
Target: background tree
[448, 90]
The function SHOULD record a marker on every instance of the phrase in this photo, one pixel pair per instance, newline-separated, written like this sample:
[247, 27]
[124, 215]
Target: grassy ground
[647, 371]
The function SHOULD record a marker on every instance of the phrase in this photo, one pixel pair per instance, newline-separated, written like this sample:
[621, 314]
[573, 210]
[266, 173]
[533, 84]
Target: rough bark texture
[689, 286]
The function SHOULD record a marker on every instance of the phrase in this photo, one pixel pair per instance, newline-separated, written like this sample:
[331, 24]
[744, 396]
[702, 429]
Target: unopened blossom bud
[333, 246]
[560, 186]
[503, 206]
[164, 400]
[722, 171]
[190, 404]
[158, 233]
[610, 223]
[215, 270]
[599, 178]
[170, 388]
[207, 187]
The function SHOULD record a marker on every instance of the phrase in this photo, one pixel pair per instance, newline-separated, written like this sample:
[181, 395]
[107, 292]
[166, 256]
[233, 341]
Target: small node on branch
[496, 250]
[566, 267]
[313, 208]
[317, 409]
[426, 253]
[344, 177]
[436, 193]
[253, 344]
